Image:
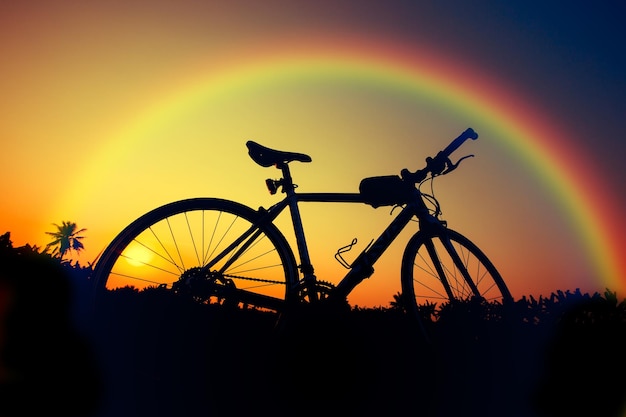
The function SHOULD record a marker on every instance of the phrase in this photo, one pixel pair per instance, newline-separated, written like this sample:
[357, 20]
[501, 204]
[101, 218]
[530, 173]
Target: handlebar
[456, 143]
[440, 164]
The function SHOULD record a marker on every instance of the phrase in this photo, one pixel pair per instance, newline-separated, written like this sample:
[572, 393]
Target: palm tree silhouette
[65, 239]
[398, 301]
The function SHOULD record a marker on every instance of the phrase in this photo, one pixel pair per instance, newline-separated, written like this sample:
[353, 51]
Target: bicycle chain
[323, 286]
[268, 281]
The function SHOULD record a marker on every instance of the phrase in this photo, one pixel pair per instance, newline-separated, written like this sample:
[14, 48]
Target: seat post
[290, 189]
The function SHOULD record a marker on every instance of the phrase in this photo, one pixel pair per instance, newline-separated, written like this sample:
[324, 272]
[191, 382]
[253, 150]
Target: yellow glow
[137, 255]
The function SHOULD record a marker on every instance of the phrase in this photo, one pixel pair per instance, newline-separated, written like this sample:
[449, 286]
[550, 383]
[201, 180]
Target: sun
[137, 254]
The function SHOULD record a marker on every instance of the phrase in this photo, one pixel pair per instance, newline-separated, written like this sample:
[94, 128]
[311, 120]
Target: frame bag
[387, 190]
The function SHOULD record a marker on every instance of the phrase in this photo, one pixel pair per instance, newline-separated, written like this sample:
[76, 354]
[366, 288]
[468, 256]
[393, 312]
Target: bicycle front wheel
[445, 266]
[212, 249]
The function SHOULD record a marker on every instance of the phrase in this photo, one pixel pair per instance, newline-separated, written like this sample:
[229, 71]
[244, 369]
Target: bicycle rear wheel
[210, 249]
[445, 266]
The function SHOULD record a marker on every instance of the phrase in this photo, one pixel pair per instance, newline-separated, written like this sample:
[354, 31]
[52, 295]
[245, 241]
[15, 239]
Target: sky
[110, 109]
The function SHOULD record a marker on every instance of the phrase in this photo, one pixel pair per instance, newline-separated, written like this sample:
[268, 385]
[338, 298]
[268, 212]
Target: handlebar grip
[438, 164]
[453, 146]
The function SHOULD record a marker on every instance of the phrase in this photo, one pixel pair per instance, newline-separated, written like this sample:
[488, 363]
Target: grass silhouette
[560, 355]
[154, 353]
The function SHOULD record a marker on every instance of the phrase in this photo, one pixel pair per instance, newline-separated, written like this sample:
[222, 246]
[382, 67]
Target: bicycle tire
[173, 241]
[432, 278]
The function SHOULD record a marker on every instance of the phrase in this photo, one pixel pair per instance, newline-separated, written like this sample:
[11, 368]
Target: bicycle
[218, 251]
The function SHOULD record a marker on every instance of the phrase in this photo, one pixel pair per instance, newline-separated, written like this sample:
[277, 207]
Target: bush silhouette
[46, 365]
[159, 354]
[169, 356]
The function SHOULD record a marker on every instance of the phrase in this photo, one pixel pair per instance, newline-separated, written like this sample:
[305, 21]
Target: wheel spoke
[201, 240]
[448, 266]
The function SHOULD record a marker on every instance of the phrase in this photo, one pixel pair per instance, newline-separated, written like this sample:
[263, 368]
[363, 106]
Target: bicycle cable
[436, 210]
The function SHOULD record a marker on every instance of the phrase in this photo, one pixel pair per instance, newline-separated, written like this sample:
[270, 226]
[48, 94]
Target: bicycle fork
[454, 256]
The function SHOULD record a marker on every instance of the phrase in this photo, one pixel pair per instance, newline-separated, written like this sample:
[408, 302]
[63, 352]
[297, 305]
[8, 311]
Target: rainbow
[539, 142]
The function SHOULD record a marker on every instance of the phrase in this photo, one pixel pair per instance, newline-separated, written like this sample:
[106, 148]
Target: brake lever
[451, 167]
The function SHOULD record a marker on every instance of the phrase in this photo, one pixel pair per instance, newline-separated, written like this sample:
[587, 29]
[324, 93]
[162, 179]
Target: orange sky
[111, 110]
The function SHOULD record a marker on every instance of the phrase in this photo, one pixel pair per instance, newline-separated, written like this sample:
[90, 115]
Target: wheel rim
[427, 286]
[173, 242]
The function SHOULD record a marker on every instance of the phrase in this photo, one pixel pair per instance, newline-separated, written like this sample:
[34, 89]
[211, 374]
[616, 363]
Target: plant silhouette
[65, 239]
[47, 366]
[158, 353]
[167, 355]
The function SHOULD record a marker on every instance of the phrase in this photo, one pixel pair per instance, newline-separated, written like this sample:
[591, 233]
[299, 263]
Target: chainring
[322, 300]
[321, 289]
[203, 286]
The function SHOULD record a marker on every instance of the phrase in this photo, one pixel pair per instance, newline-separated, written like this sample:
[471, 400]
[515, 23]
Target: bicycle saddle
[267, 157]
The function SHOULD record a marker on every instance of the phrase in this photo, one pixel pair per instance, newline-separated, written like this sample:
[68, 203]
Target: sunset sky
[110, 109]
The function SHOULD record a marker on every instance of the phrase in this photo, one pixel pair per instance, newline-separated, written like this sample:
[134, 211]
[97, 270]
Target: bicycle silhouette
[222, 252]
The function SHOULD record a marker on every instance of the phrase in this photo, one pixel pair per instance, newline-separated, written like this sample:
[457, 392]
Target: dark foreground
[155, 354]
[162, 356]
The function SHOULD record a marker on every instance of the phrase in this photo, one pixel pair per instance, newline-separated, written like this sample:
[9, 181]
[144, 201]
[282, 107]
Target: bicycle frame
[362, 267]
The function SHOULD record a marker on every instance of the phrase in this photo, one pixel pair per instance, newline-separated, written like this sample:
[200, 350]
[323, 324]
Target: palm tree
[65, 239]
[398, 301]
